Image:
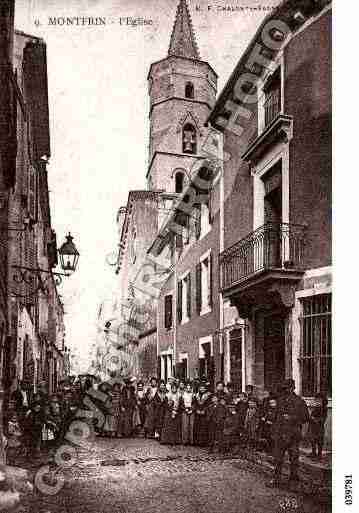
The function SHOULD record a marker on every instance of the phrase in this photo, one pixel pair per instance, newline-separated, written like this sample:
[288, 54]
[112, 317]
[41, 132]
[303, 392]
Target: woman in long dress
[151, 400]
[128, 404]
[171, 431]
[116, 408]
[141, 407]
[251, 422]
[187, 415]
[202, 402]
[110, 422]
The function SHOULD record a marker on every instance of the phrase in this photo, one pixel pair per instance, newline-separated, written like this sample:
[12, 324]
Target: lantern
[69, 255]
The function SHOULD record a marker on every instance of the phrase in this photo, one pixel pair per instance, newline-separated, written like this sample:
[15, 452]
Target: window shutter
[201, 367]
[198, 222]
[179, 241]
[179, 301]
[210, 205]
[32, 194]
[210, 285]
[187, 229]
[178, 370]
[199, 287]
[168, 312]
[158, 367]
[189, 296]
[211, 371]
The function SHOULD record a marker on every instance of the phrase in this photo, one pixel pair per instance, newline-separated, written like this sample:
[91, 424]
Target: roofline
[192, 100]
[227, 89]
[25, 34]
[173, 154]
[180, 57]
[127, 215]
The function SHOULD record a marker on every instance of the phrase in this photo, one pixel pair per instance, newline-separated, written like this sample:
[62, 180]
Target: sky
[98, 101]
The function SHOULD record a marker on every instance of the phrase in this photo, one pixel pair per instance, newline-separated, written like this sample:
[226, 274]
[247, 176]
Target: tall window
[316, 345]
[202, 219]
[189, 90]
[204, 285]
[179, 182]
[32, 193]
[189, 139]
[184, 299]
[272, 91]
[168, 311]
[133, 244]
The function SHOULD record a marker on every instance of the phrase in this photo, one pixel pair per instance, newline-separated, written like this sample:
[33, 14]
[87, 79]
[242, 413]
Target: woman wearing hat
[187, 414]
[202, 402]
[171, 430]
[128, 405]
[141, 408]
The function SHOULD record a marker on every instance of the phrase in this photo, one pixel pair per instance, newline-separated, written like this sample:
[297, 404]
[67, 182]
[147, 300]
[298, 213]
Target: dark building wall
[7, 174]
[147, 355]
[238, 189]
[188, 334]
[36, 90]
[307, 98]
[165, 336]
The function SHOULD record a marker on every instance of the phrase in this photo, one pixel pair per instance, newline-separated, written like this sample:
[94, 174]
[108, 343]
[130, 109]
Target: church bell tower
[182, 90]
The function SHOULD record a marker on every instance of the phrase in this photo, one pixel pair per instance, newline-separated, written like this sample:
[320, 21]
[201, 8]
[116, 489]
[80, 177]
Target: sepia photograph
[166, 257]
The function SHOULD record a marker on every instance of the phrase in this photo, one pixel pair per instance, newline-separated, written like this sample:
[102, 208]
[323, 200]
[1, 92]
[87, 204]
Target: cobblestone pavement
[142, 476]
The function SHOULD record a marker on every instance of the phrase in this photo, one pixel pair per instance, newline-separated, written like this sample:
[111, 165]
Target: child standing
[268, 420]
[34, 423]
[14, 438]
[217, 416]
[251, 422]
[317, 420]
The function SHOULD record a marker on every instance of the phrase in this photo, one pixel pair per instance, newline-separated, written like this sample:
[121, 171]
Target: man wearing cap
[292, 413]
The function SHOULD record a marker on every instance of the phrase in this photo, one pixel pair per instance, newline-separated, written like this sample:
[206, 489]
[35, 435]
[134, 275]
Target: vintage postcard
[166, 257]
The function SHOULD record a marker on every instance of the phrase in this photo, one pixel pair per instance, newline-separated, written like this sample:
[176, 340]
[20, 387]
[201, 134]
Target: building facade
[33, 333]
[182, 90]
[275, 269]
[243, 264]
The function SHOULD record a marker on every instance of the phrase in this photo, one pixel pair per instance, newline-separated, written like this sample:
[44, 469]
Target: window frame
[206, 307]
[181, 173]
[186, 307]
[314, 343]
[168, 326]
[190, 85]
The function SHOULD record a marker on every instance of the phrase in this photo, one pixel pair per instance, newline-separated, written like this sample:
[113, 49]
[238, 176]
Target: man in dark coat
[128, 405]
[21, 399]
[292, 413]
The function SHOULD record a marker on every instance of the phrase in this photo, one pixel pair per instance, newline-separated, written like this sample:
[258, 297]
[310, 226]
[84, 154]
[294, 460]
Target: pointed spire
[183, 41]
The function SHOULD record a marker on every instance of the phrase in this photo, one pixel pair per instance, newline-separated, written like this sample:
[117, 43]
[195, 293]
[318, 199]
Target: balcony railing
[273, 246]
[272, 106]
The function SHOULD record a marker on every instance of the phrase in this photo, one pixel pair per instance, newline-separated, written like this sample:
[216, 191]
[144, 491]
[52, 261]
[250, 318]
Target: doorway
[235, 351]
[273, 217]
[274, 350]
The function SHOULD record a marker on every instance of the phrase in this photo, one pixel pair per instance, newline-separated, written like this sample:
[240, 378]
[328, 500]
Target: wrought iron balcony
[272, 247]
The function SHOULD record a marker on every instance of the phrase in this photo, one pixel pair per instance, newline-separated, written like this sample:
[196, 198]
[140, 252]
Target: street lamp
[69, 256]
[36, 278]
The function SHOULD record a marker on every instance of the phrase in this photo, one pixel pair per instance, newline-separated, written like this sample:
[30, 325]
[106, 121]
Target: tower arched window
[189, 139]
[179, 181]
[189, 90]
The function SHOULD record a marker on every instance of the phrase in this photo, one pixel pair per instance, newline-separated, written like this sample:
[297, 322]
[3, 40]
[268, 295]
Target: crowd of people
[173, 412]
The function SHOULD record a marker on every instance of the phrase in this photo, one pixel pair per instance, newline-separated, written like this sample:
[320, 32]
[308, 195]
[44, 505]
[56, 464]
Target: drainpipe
[223, 336]
[175, 316]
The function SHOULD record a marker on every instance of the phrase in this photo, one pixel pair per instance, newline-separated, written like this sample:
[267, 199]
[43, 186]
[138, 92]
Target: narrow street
[138, 475]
